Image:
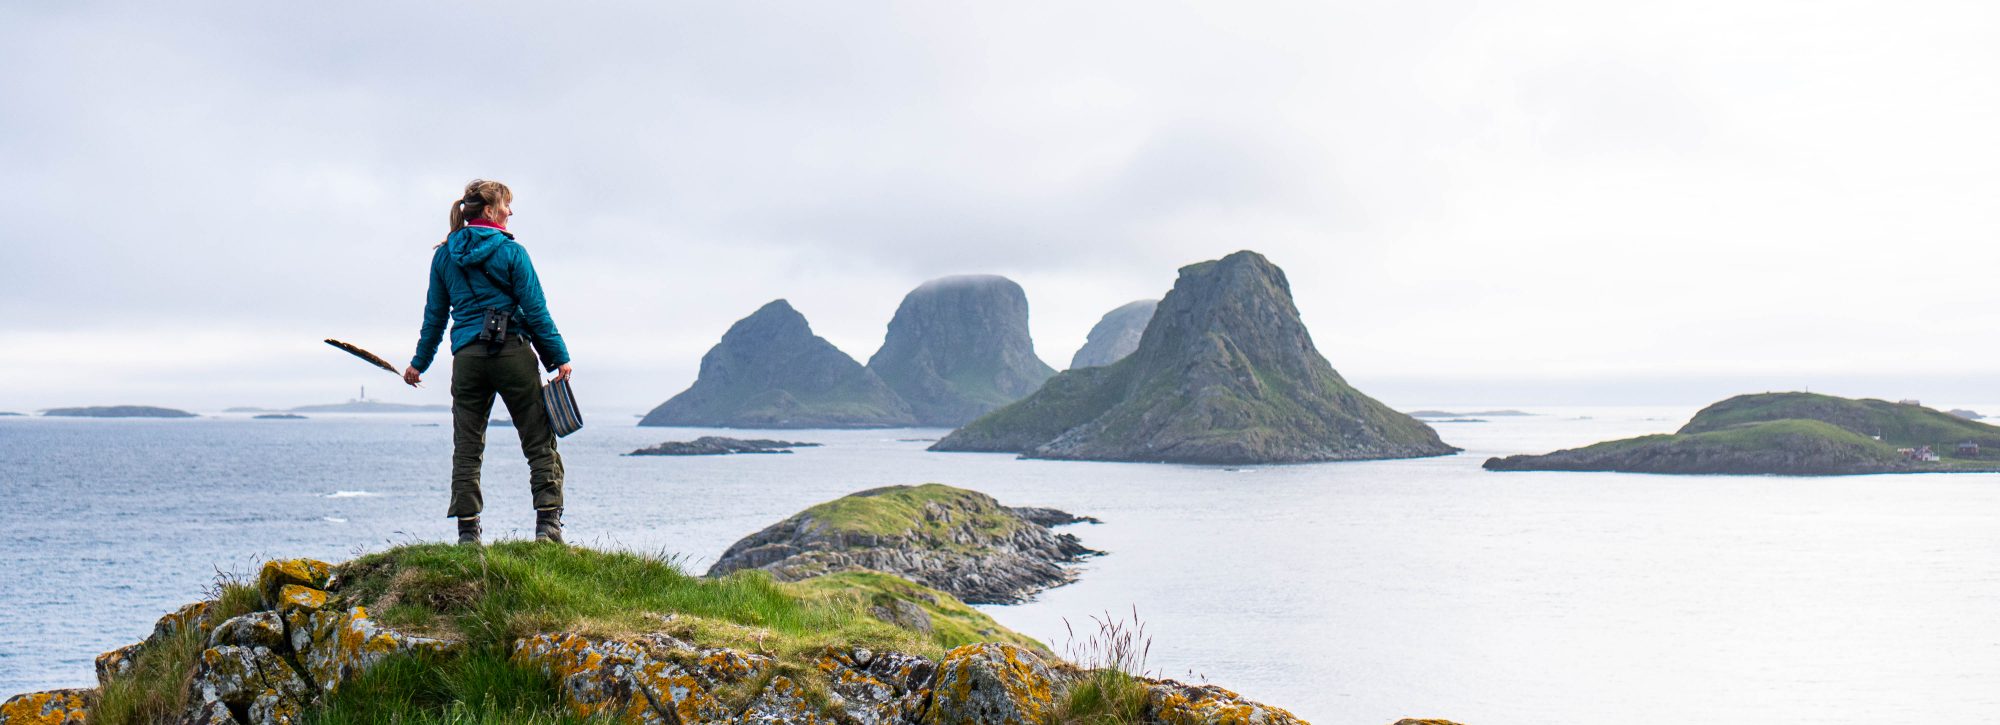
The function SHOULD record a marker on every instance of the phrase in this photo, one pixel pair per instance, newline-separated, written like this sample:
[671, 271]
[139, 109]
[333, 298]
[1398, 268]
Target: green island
[1794, 434]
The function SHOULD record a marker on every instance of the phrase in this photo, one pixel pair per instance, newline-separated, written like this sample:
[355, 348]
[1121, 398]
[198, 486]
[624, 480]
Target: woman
[480, 275]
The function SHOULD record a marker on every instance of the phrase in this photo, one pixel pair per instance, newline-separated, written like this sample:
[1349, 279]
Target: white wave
[333, 519]
[351, 494]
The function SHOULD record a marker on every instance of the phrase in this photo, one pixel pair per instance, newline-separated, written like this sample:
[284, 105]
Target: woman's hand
[562, 373]
[411, 376]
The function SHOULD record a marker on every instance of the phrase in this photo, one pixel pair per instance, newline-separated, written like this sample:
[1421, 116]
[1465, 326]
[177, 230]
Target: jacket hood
[473, 245]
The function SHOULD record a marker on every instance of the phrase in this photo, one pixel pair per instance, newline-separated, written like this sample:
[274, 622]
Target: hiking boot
[468, 530]
[548, 525]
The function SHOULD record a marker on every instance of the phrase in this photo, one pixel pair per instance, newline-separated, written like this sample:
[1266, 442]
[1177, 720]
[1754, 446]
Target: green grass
[477, 687]
[1897, 424]
[1103, 697]
[953, 622]
[899, 511]
[490, 596]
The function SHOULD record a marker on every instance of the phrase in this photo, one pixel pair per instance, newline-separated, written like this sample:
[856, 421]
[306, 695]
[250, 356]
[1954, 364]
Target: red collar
[484, 222]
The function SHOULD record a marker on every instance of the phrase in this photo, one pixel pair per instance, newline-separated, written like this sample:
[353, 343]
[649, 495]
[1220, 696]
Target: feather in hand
[365, 355]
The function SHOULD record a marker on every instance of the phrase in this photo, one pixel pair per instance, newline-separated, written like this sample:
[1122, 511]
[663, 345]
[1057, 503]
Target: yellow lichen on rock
[333, 645]
[1177, 703]
[309, 573]
[991, 682]
[292, 597]
[781, 703]
[53, 707]
[192, 615]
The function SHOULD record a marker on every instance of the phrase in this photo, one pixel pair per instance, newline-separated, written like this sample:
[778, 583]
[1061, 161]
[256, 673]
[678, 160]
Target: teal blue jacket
[459, 290]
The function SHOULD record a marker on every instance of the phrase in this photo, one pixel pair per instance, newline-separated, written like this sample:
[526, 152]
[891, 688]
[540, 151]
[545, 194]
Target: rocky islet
[1225, 373]
[962, 542]
[720, 446]
[771, 371]
[959, 347]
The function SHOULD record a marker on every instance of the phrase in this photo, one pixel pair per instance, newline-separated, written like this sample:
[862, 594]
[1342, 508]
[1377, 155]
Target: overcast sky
[1473, 200]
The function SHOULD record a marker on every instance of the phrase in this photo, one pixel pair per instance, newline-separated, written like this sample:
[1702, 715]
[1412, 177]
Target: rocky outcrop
[959, 347]
[261, 667]
[1225, 373]
[1114, 336]
[959, 541]
[117, 411]
[720, 446]
[664, 679]
[771, 371]
[282, 656]
[52, 707]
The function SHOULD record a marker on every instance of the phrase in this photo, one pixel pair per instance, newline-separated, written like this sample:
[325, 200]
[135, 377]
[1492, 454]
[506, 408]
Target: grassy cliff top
[495, 594]
[1898, 424]
[909, 510]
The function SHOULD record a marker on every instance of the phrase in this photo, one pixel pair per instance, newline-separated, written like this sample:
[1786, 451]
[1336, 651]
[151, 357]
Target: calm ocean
[1349, 593]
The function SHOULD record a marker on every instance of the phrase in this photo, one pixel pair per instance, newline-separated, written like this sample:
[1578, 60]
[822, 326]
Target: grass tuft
[1114, 659]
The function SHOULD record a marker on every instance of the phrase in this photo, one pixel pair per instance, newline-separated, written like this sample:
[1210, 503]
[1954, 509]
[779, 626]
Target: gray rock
[959, 347]
[1114, 336]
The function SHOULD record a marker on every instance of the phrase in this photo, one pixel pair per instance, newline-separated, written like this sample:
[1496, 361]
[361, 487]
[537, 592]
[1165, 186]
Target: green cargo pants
[513, 372]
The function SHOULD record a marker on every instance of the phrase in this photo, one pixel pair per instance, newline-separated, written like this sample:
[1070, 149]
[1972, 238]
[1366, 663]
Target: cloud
[1566, 187]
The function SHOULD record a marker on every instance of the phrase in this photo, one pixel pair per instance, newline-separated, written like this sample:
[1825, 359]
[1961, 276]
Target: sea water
[1347, 592]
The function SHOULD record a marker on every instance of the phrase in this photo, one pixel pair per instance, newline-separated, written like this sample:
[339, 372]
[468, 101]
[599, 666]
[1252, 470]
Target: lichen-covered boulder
[333, 646]
[52, 707]
[117, 662]
[781, 703]
[237, 676]
[651, 678]
[195, 616]
[256, 629]
[993, 684]
[877, 688]
[1178, 703]
[308, 573]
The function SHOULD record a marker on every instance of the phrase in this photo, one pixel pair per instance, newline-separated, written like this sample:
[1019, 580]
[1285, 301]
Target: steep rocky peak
[776, 318]
[1238, 305]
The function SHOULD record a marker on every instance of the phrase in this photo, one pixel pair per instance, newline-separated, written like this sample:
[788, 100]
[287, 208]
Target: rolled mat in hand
[561, 404]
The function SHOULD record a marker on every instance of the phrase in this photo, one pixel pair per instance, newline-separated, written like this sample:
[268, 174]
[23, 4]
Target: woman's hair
[479, 194]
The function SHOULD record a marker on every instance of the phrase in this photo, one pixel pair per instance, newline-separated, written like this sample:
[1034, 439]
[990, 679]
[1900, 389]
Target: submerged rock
[1115, 336]
[959, 541]
[959, 347]
[1225, 373]
[771, 371]
[718, 446]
